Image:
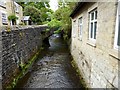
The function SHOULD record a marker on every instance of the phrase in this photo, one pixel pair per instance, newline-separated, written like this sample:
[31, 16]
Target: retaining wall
[17, 46]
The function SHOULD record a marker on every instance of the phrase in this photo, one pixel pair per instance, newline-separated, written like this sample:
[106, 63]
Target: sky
[53, 5]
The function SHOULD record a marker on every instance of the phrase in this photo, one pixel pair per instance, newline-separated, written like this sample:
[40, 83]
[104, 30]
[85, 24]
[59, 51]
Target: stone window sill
[114, 53]
[91, 43]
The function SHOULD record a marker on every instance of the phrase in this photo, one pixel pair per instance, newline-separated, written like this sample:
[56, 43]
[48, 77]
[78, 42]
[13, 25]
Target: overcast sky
[53, 4]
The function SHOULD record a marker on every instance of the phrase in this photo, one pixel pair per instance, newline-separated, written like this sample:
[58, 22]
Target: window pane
[80, 20]
[92, 16]
[118, 42]
[80, 29]
[95, 27]
[95, 14]
[4, 18]
[91, 32]
[80, 23]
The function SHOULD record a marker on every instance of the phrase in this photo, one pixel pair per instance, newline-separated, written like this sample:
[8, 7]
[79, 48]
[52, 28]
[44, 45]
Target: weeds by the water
[80, 75]
[24, 69]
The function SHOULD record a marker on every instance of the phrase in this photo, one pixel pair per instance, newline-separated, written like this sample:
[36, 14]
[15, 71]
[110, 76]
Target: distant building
[8, 8]
[27, 20]
[95, 44]
[18, 12]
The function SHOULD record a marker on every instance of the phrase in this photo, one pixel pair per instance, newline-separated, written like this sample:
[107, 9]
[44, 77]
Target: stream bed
[52, 69]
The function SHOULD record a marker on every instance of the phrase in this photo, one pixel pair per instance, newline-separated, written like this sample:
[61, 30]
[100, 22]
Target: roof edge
[78, 6]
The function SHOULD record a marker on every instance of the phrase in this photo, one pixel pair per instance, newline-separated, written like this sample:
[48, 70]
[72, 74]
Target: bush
[12, 18]
[57, 31]
[54, 23]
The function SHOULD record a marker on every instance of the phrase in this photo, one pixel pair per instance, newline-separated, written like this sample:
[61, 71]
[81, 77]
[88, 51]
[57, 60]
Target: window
[2, 4]
[118, 41]
[16, 7]
[93, 25]
[73, 29]
[117, 32]
[17, 21]
[80, 28]
[4, 18]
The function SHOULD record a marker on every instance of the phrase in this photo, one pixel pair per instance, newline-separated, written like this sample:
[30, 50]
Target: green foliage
[41, 48]
[38, 5]
[8, 29]
[22, 23]
[22, 65]
[24, 70]
[54, 23]
[63, 16]
[12, 17]
[34, 13]
[82, 80]
[57, 31]
[45, 14]
[47, 30]
[39, 12]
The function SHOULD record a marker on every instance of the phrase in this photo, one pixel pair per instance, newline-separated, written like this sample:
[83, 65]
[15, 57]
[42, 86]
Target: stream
[52, 69]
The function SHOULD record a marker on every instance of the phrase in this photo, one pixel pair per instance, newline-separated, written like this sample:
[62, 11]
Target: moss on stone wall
[24, 69]
[19, 44]
[74, 64]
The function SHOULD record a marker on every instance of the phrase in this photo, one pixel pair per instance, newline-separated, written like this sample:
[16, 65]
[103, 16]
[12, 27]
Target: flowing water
[53, 68]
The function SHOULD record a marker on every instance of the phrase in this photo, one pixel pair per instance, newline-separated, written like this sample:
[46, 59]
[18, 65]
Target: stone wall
[18, 46]
[98, 62]
[0, 61]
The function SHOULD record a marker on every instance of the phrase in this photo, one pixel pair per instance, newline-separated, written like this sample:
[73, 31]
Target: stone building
[95, 44]
[27, 20]
[10, 7]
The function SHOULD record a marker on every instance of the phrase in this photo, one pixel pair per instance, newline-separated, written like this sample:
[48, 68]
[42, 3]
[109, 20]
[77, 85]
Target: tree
[38, 5]
[45, 14]
[39, 12]
[63, 15]
[34, 13]
[54, 23]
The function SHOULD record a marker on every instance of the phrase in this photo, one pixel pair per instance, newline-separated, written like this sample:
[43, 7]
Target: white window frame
[3, 3]
[117, 28]
[4, 18]
[92, 21]
[17, 21]
[80, 30]
[16, 7]
[73, 29]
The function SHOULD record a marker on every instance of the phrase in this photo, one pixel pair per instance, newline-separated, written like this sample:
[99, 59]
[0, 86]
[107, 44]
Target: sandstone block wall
[97, 62]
